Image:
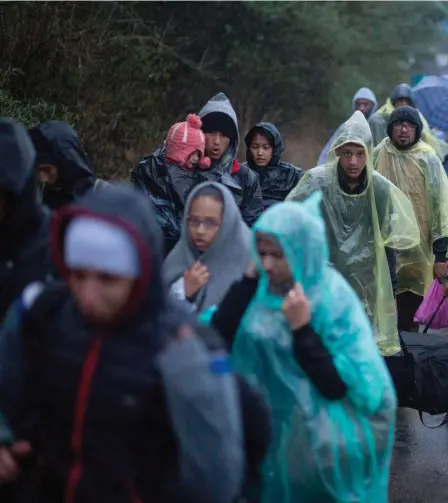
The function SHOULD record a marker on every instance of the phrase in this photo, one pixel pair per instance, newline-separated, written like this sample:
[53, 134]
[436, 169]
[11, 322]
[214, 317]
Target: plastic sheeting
[322, 451]
[360, 226]
[378, 125]
[420, 175]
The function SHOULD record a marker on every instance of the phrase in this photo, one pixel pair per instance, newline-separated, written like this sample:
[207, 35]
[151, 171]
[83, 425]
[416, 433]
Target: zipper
[87, 373]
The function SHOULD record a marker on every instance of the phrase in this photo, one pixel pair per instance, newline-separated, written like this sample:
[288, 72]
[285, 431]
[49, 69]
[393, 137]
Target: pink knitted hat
[185, 138]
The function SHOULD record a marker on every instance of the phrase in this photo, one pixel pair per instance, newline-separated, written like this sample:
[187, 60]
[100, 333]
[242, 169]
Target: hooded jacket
[24, 229]
[226, 259]
[363, 93]
[279, 178]
[104, 429]
[168, 186]
[57, 144]
[239, 179]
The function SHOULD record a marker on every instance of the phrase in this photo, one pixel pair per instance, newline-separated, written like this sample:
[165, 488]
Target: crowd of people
[213, 331]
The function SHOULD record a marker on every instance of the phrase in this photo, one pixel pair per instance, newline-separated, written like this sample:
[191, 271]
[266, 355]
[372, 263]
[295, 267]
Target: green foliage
[30, 113]
[122, 72]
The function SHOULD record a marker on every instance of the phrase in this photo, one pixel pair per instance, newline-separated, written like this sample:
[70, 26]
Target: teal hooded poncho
[322, 451]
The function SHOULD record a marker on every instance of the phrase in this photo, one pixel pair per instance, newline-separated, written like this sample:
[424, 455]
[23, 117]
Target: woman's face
[101, 297]
[204, 221]
[273, 260]
[261, 150]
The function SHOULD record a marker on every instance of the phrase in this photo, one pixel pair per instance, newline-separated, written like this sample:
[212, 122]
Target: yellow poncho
[378, 126]
[360, 226]
[420, 175]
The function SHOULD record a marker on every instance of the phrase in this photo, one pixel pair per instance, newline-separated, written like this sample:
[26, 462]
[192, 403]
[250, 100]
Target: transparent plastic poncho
[420, 175]
[379, 131]
[360, 226]
[322, 451]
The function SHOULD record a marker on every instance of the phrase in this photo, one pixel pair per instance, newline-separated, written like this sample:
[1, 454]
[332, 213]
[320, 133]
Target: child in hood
[169, 174]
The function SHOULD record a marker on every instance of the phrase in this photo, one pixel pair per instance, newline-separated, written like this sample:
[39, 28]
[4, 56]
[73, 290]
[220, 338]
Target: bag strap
[444, 421]
[419, 389]
[433, 316]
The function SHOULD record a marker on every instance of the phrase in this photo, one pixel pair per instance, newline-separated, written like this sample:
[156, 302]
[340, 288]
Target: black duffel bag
[420, 374]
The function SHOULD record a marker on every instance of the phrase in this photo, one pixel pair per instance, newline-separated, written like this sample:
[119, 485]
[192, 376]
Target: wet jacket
[239, 179]
[103, 430]
[279, 178]
[24, 231]
[57, 144]
[167, 185]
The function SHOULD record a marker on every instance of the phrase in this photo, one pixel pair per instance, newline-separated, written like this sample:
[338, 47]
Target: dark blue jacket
[24, 228]
[279, 178]
[91, 402]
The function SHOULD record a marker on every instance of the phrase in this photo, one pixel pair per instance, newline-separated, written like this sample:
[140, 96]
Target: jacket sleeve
[139, 175]
[12, 365]
[227, 317]
[252, 206]
[315, 360]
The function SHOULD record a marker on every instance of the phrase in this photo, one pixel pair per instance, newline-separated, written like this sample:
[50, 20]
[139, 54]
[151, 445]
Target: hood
[403, 91]
[408, 114]
[278, 142]
[17, 179]
[300, 230]
[220, 103]
[57, 143]
[366, 94]
[134, 213]
[355, 130]
[226, 259]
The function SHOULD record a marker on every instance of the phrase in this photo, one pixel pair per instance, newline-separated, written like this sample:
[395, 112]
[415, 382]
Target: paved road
[419, 471]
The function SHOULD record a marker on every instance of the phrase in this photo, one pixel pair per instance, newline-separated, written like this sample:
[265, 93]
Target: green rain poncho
[378, 126]
[420, 175]
[360, 226]
[322, 451]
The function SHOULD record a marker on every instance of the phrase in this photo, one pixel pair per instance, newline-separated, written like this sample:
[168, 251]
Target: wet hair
[210, 191]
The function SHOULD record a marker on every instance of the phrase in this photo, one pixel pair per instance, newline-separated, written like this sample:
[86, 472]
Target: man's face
[403, 102]
[215, 145]
[404, 133]
[47, 174]
[365, 106]
[101, 297]
[352, 159]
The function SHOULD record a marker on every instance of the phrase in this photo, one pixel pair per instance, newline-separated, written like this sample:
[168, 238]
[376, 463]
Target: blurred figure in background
[62, 166]
[365, 101]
